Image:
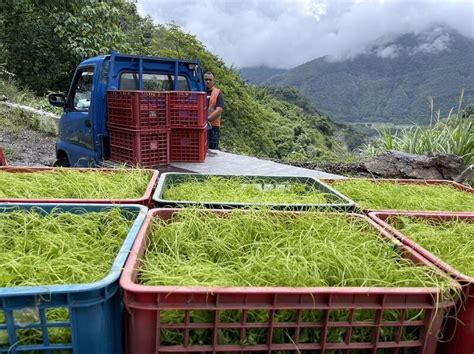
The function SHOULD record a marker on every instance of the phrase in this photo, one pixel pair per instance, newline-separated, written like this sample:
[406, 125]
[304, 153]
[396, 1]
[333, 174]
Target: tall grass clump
[452, 135]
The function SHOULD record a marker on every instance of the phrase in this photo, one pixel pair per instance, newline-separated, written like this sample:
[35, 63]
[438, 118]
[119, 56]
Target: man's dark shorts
[213, 137]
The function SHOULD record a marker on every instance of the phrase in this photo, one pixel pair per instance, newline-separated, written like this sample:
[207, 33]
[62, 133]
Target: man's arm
[219, 109]
[215, 115]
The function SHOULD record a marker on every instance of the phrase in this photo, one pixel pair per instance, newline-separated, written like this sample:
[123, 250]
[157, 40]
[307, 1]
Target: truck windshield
[152, 82]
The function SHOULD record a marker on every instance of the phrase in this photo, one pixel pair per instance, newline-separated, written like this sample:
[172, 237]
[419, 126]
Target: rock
[396, 164]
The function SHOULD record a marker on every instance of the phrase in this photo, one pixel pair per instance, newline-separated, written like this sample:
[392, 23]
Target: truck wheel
[61, 162]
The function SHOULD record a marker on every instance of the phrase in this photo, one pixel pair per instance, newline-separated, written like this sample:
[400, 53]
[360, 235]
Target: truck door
[76, 129]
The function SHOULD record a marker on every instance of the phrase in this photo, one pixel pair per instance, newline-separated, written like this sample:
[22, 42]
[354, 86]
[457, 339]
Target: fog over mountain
[391, 82]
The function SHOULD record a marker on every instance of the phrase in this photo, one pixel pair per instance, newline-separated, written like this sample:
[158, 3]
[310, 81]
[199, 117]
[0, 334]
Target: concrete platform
[224, 163]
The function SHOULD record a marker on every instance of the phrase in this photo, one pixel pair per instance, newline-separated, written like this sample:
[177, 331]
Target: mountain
[392, 81]
[259, 74]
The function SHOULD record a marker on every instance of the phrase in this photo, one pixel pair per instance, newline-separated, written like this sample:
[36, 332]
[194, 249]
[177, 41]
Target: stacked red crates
[188, 118]
[139, 129]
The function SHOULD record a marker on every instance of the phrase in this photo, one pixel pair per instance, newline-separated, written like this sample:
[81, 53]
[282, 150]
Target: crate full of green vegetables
[406, 194]
[446, 240]
[231, 191]
[59, 271]
[240, 280]
[76, 185]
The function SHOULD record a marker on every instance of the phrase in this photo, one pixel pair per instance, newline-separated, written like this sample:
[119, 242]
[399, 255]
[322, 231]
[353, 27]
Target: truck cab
[83, 135]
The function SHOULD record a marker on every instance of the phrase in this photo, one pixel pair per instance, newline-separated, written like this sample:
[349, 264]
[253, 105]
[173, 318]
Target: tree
[43, 41]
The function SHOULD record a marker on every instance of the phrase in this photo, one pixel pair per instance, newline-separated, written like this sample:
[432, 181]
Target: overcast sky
[286, 33]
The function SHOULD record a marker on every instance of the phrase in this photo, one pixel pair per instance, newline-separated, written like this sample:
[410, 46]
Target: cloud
[391, 51]
[437, 45]
[286, 33]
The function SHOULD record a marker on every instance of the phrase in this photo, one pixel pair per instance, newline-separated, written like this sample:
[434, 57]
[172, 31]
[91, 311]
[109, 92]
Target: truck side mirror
[57, 99]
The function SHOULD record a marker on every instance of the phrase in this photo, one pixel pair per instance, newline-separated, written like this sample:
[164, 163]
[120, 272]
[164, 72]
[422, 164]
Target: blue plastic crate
[93, 311]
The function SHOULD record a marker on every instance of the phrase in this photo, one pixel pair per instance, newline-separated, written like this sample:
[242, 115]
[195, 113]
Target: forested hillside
[391, 82]
[42, 42]
[305, 132]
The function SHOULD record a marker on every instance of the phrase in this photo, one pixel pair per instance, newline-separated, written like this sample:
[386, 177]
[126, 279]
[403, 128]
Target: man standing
[215, 106]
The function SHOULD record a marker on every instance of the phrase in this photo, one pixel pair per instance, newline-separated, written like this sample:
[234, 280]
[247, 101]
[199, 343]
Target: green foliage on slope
[304, 133]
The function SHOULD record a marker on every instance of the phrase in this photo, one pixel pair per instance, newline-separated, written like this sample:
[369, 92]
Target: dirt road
[27, 147]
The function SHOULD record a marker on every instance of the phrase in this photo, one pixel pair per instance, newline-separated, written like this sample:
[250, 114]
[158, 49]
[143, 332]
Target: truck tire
[62, 162]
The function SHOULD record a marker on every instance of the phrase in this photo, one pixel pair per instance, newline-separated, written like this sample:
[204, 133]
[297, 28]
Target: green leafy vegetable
[59, 247]
[451, 241]
[399, 196]
[73, 184]
[244, 190]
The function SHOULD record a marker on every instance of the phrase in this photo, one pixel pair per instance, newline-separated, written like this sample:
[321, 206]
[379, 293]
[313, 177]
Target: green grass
[73, 184]
[16, 119]
[452, 137]
[243, 190]
[373, 194]
[9, 88]
[451, 241]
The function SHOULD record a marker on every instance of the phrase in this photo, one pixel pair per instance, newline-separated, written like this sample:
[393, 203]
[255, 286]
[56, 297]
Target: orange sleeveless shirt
[212, 106]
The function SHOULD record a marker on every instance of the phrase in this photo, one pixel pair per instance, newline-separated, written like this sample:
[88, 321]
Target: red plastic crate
[144, 147]
[460, 326]
[3, 160]
[144, 200]
[188, 145]
[137, 109]
[187, 109]
[402, 181]
[145, 304]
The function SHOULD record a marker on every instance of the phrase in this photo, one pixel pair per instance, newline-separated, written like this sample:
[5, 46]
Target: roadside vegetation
[16, 119]
[11, 90]
[453, 134]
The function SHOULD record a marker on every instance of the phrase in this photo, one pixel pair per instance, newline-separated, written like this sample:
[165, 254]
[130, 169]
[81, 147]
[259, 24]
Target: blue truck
[83, 135]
